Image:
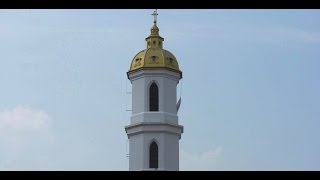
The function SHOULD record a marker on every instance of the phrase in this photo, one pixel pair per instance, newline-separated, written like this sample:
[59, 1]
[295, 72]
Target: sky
[250, 87]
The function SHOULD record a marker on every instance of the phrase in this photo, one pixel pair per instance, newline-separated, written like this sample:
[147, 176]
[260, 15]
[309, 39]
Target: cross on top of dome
[155, 14]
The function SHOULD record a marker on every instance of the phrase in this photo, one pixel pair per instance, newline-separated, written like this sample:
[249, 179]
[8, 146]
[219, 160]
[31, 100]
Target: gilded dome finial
[154, 56]
[155, 14]
[154, 40]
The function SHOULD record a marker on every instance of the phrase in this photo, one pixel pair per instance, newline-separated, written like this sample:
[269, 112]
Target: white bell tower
[154, 132]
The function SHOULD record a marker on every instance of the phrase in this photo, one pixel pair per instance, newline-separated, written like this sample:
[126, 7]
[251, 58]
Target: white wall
[167, 83]
[161, 126]
[168, 149]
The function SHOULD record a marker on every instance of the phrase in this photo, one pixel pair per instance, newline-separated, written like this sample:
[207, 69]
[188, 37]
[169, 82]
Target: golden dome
[154, 56]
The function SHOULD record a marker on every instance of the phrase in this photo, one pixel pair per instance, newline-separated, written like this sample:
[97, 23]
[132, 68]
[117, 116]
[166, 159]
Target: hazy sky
[250, 88]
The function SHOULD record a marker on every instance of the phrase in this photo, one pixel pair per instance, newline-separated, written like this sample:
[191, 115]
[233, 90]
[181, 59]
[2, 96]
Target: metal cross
[155, 14]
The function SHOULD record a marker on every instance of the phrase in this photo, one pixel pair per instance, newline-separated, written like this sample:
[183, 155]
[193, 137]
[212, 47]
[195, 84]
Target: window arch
[153, 155]
[154, 97]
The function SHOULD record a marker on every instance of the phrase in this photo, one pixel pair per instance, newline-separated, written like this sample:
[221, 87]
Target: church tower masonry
[154, 131]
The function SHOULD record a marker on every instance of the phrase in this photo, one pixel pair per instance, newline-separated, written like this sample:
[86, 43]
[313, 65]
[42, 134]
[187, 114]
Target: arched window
[153, 159]
[154, 97]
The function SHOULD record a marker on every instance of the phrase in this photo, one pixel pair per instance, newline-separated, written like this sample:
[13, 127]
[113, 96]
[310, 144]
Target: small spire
[154, 40]
[155, 14]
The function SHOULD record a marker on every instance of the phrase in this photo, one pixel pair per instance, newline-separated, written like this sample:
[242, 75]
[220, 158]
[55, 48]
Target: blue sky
[250, 88]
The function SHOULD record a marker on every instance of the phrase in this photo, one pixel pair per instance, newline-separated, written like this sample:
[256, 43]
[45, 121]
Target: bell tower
[154, 132]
